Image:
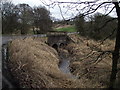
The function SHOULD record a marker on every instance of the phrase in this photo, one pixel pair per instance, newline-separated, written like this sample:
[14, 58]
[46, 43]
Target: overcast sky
[30, 2]
[55, 12]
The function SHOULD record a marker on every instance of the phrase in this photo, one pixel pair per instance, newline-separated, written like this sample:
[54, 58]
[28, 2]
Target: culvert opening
[55, 46]
[62, 45]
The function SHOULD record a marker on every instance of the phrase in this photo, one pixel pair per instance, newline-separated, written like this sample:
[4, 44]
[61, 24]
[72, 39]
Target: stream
[6, 76]
[64, 67]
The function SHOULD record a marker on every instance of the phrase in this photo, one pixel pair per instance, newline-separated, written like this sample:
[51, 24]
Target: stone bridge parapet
[57, 39]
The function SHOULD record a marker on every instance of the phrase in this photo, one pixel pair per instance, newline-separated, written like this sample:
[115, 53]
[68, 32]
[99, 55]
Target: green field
[67, 29]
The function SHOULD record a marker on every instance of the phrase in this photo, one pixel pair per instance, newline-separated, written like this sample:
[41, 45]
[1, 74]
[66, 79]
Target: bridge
[57, 39]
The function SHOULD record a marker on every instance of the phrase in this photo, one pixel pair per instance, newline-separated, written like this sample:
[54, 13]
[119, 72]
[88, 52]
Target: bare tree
[42, 20]
[89, 8]
[25, 17]
[116, 54]
[8, 16]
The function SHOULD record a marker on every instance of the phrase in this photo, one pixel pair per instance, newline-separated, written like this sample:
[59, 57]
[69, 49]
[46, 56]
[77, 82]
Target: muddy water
[64, 65]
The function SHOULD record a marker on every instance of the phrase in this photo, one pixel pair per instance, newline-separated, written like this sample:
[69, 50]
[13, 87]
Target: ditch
[7, 79]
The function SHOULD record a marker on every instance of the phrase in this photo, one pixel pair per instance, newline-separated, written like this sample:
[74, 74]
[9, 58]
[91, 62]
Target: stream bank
[42, 62]
[7, 79]
[45, 72]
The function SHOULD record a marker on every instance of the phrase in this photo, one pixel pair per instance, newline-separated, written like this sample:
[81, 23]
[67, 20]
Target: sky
[30, 2]
[55, 12]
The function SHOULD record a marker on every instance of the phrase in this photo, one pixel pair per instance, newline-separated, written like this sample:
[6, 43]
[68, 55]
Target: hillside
[91, 62]
[34, 64]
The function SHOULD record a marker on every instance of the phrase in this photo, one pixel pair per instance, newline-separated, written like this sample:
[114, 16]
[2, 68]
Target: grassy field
[67, 29]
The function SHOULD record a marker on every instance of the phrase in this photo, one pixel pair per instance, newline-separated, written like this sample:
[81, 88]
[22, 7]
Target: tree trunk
[34, 30]
[115, 55]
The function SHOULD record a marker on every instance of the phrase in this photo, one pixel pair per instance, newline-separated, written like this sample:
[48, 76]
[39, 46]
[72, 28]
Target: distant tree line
[98, 26]
[23, 19]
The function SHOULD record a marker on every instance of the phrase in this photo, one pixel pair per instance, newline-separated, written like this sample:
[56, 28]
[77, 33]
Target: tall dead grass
[88, 64]
[34, 64]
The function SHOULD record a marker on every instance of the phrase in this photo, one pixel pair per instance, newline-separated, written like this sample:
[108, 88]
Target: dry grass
[93, 71]
[35, 65]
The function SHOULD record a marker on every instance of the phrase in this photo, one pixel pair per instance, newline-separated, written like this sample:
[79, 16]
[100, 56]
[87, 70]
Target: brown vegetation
[90, 61]
[35, 65]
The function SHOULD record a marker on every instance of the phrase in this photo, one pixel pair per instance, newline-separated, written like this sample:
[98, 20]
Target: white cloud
[30, 2]
[56, 10]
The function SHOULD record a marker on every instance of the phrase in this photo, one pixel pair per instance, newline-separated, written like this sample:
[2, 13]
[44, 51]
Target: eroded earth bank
[34, 64]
